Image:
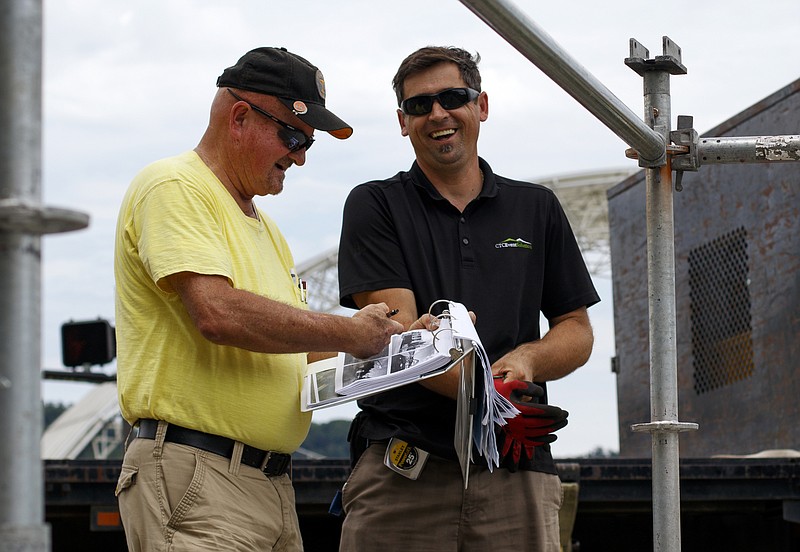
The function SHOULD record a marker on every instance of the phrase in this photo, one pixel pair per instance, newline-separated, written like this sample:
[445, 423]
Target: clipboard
[465, 413]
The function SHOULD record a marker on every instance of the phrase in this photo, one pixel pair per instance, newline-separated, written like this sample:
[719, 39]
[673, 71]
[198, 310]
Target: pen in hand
[392, 313]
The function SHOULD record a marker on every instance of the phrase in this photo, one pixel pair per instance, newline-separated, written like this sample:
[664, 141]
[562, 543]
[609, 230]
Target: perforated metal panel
[722, 344]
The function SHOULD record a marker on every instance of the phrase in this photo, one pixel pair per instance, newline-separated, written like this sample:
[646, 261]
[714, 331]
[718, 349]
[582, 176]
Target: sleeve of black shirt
[370, 257]
[565, 270]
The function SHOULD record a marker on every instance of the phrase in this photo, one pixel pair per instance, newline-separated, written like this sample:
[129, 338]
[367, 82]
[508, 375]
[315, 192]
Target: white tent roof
[72, 432]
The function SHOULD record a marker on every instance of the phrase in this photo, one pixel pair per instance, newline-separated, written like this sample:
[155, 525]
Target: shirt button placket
[463, 236]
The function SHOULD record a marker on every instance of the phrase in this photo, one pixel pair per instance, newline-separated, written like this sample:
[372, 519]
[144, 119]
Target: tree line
[328, 439]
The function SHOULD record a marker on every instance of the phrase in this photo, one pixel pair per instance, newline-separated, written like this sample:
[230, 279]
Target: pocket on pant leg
[365, 461]
[182, 474]
[127, 478]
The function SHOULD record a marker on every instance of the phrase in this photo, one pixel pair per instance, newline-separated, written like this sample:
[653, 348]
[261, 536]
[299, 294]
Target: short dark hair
[427, 57]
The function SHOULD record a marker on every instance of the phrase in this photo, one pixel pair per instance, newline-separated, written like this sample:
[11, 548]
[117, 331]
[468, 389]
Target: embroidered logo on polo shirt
[518, 243]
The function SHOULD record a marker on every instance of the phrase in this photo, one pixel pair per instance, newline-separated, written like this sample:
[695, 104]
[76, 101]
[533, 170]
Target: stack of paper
[410, 356]
[407, 356]
[490, 408]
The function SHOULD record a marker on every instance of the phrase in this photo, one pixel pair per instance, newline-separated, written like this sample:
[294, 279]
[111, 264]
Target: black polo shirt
[508, 256]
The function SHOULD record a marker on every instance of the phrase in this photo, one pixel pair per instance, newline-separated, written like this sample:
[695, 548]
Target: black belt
[269, 462]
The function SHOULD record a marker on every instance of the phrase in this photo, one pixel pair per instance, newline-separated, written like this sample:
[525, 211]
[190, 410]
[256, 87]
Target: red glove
[533, 426]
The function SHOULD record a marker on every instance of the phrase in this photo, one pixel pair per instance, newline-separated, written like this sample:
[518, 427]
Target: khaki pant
[176, 498]
[499, 511]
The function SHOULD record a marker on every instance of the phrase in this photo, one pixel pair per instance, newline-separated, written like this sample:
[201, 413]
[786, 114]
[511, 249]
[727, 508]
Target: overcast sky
[126, 83]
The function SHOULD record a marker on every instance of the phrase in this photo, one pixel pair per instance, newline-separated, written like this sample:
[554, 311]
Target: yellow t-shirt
[177, 216]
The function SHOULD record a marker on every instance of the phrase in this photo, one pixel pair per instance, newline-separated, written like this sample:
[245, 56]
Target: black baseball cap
[298, 84]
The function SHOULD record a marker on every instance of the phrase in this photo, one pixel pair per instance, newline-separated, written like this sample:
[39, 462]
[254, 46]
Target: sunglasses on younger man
[293, 138]
[452, 98]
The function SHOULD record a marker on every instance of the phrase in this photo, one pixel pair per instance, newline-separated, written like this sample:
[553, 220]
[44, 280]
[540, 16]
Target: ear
[483, 104]
[236, 117]
[401, 118]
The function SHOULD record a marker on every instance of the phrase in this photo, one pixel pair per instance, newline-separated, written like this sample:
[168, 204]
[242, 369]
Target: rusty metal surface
[758, 409]
[749, 149]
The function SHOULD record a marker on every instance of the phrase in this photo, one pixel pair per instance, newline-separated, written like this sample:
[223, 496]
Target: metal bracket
[30, 218]
[664, 427]
[669, 62]
[685, 136]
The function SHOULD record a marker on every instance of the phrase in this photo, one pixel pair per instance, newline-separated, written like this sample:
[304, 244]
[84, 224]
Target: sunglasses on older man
[293, 138]
[452, 98]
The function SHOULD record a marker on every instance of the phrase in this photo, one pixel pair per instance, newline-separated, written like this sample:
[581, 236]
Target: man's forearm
[562, 350]
[237, 318]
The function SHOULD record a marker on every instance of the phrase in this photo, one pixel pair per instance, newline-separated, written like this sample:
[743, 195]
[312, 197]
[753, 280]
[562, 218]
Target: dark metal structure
[737, 281]
[728, 504]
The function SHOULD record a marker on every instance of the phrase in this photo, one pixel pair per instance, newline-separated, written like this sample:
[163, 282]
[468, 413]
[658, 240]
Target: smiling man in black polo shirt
[450, 228]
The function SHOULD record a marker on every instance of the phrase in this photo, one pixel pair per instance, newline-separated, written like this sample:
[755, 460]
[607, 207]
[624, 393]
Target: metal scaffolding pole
[22, 222]
[664, 424]
[536, 45]
[748, 149]
[651, 143]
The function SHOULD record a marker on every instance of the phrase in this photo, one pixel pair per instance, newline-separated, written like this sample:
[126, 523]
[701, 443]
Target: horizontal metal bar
[664, 426]
[536, 45]
[25, 217]
[91, 377]
[748, 149]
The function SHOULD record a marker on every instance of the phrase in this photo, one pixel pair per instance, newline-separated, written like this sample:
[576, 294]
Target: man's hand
[532, 427]
[372, 330]
[517, 364]
[430, 322]
[425, 322]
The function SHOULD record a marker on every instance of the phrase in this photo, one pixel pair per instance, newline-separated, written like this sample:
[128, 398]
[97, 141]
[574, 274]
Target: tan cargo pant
[177, 498]
[499, 511]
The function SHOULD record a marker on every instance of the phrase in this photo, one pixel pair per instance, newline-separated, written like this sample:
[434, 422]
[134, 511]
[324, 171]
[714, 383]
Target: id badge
[405, 459]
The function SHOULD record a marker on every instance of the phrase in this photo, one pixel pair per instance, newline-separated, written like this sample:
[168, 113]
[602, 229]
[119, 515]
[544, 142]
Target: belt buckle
[264, 462]
[281, 463]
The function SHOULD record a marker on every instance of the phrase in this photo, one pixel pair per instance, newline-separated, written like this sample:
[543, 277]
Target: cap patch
[321, 84]
[299, 108]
